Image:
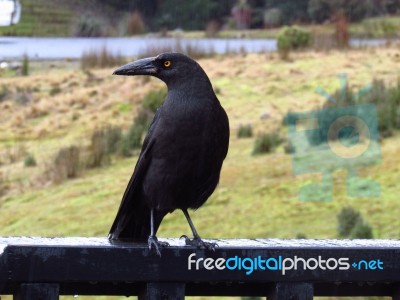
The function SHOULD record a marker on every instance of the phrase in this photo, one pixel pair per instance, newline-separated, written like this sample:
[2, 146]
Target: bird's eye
[167, 63]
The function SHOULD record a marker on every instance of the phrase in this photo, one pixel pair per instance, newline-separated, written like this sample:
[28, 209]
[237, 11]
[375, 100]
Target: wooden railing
[44, 268]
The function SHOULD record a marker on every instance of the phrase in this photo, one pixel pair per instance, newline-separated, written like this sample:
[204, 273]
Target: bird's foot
[199, 243]
[155, 244]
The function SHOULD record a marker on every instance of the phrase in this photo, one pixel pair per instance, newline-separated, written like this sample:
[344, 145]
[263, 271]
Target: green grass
[257, 196]
[41, 18]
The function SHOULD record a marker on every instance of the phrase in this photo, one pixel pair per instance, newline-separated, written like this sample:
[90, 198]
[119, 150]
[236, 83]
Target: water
[64, 48]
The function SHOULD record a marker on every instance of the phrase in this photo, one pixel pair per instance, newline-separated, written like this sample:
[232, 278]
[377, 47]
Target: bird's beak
[143, 66]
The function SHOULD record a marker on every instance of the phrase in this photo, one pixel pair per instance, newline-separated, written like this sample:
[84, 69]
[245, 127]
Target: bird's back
[188, 153]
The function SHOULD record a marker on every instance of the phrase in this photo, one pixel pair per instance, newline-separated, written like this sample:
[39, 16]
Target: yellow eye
[167, 63]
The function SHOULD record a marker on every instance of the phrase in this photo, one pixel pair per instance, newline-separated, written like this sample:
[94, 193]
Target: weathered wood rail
[44, 268]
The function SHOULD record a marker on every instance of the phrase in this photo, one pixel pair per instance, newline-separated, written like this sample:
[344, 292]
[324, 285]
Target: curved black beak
[143, 66]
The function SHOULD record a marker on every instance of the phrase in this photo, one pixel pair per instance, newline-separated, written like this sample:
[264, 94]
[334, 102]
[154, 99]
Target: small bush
[266, 143]
[292, 38]
[113, 137]
[301, 236]
[387, 102]
[98, 152]
[361, 230]
[379, 28]
[100, 59]
[347, 219]
[23, 98]
[88, 27]
[4, 93]
[133, 138]
[25, 66]
[385, 99]
[54, 90]
[30, 160]
[153, 99]
[65, 165]
[3, 185]
[245, 131]
[125, 147]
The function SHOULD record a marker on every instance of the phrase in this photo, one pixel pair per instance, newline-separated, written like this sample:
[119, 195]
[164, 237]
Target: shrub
[347, 219]
[113, 138]
[361, 230]
[98, 152]
[25, 66]
[134, 136]
[30, 160]
[153, 99]
[4, 93]
[292, 38]
[3, 185]
[23, 97]
[301, 236]
[54, 90]
[387, 102]
[88, 27]
[100, 59]
[245, 131]
[65, 165]
[137, 129]
[266, 143]
[379, 27]
[125, 147]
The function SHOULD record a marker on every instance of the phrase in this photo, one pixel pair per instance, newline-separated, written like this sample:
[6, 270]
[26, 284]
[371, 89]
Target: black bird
[181, 158]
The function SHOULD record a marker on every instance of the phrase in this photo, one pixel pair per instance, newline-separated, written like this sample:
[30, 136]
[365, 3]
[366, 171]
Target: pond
[72, 48]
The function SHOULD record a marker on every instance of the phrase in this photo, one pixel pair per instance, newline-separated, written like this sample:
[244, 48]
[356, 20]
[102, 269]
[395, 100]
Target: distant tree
[319, 10]
[354, 10]
[389, 6]
[292, 10]
[241, 13]
[188, 15]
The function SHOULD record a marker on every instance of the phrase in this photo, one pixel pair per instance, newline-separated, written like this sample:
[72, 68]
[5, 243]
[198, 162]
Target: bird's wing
[126, 223]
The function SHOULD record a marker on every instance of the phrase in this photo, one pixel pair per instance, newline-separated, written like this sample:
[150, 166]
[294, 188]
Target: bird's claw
[199, 243]
[155, 244]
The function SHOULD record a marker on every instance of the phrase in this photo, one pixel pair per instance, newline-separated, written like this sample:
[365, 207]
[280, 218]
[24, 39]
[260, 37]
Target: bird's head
[169, 67]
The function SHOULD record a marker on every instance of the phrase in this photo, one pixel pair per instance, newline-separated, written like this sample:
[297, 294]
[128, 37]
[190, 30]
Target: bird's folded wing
[127, 203]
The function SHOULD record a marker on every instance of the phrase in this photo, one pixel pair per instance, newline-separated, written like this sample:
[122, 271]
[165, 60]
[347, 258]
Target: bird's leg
[196, 241]
[152, 240]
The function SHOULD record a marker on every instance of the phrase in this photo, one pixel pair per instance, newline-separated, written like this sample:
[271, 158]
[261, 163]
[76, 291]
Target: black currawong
[181, 158]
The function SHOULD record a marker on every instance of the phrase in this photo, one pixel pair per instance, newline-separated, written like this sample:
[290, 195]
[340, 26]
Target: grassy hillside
[257, 195]
[41, 18]
[57, 17]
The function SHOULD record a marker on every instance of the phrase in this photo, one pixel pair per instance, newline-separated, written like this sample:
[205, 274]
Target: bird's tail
[133, 223]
